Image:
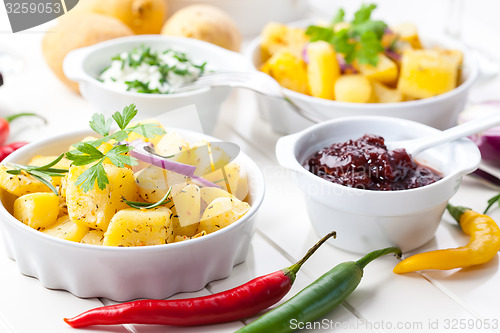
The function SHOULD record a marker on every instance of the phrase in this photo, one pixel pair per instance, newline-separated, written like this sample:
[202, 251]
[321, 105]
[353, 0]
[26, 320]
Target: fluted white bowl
[126, 273]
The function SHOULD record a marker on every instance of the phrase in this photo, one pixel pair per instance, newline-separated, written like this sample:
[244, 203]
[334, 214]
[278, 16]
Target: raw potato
[96, 207]
[354, 88]
[289, 70]
[142, 16]
[76, 31]
[37, 210]
[204, 22]
[66, 229]
[187, 205]
[221, 213]
[278, 37]
[39, 160]
[427, 73]
[386, 70]
[93, 237]
[20, 184]
[323, 69]
[133, 227]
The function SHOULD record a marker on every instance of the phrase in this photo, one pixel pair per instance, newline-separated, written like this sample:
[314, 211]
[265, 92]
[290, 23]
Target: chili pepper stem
[291, 271]
[23, 114]
[456, 211]
[375, 254]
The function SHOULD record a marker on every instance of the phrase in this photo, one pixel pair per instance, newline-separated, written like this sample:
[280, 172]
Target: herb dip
[150, 71]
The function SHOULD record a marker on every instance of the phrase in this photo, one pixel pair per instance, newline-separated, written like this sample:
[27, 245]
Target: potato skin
[76, 31]
[204, 22]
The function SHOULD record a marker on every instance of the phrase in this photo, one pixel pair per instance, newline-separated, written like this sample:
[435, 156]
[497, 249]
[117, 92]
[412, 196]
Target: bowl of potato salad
[358, 65]
[141, 211]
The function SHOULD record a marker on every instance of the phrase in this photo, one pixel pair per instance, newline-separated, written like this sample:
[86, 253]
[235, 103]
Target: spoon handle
[456, 132]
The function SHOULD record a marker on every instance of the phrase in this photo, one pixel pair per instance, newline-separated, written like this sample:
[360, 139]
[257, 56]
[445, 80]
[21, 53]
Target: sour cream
[150, 71]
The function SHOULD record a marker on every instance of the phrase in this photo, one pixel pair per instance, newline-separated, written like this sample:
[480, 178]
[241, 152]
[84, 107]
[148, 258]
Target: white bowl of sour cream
[111, 75]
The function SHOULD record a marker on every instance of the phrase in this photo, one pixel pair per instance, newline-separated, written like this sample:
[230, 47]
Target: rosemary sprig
[42, 173]
[145, 205]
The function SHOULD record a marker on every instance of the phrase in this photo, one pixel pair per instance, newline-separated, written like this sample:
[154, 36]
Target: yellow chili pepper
[483, 245]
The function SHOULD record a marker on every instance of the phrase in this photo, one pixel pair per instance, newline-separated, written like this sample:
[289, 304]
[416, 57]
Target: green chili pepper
[317, 299]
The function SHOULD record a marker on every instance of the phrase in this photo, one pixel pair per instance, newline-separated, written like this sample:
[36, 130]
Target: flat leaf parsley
[360, 39]
[86, 153]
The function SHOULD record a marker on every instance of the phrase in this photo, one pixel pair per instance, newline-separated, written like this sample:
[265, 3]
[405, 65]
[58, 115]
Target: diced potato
[187, 205]
[289, 70]
[385, 94]
[177, 230]
[40, 160]
[277, 37]
[66, 229]
[232, 178]
[386, 70]
[179, 238]
[8, 200]
[221, 213]
[426, 73]
[322, 70]
[153, 183]
[20, 184]
[96, 207]
[135, 136]
[209, 194]
[171, 144]
[133, 227]
[408, 32]
[354, 88]
[63, 206]
[93, 237]
[37, 210]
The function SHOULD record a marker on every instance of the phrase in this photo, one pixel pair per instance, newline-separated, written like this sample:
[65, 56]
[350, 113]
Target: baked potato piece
[37, 210]
[66, 229]
[134, 227]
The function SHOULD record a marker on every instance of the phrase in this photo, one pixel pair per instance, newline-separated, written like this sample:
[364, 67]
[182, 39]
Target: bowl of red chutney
[370, 195]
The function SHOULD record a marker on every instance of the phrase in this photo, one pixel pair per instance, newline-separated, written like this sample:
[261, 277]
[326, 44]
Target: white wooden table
[465, 300]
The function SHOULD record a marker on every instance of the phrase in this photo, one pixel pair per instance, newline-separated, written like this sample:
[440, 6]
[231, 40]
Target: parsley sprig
[362, 40]
[85, 153]
[88, 153]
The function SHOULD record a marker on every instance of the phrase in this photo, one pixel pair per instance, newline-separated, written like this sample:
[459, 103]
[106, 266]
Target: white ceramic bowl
[366, 220]
[85, 64]
[251, 15]
[125, 273]
[439, 111]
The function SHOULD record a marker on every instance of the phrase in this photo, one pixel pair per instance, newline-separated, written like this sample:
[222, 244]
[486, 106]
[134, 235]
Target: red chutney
[366, 163]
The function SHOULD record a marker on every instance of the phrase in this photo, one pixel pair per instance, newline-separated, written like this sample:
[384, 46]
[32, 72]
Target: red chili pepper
[5, 128]
[8, 149]
[237, 303]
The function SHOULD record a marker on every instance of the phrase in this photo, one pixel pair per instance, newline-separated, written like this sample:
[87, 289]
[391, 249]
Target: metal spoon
[416, 146]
